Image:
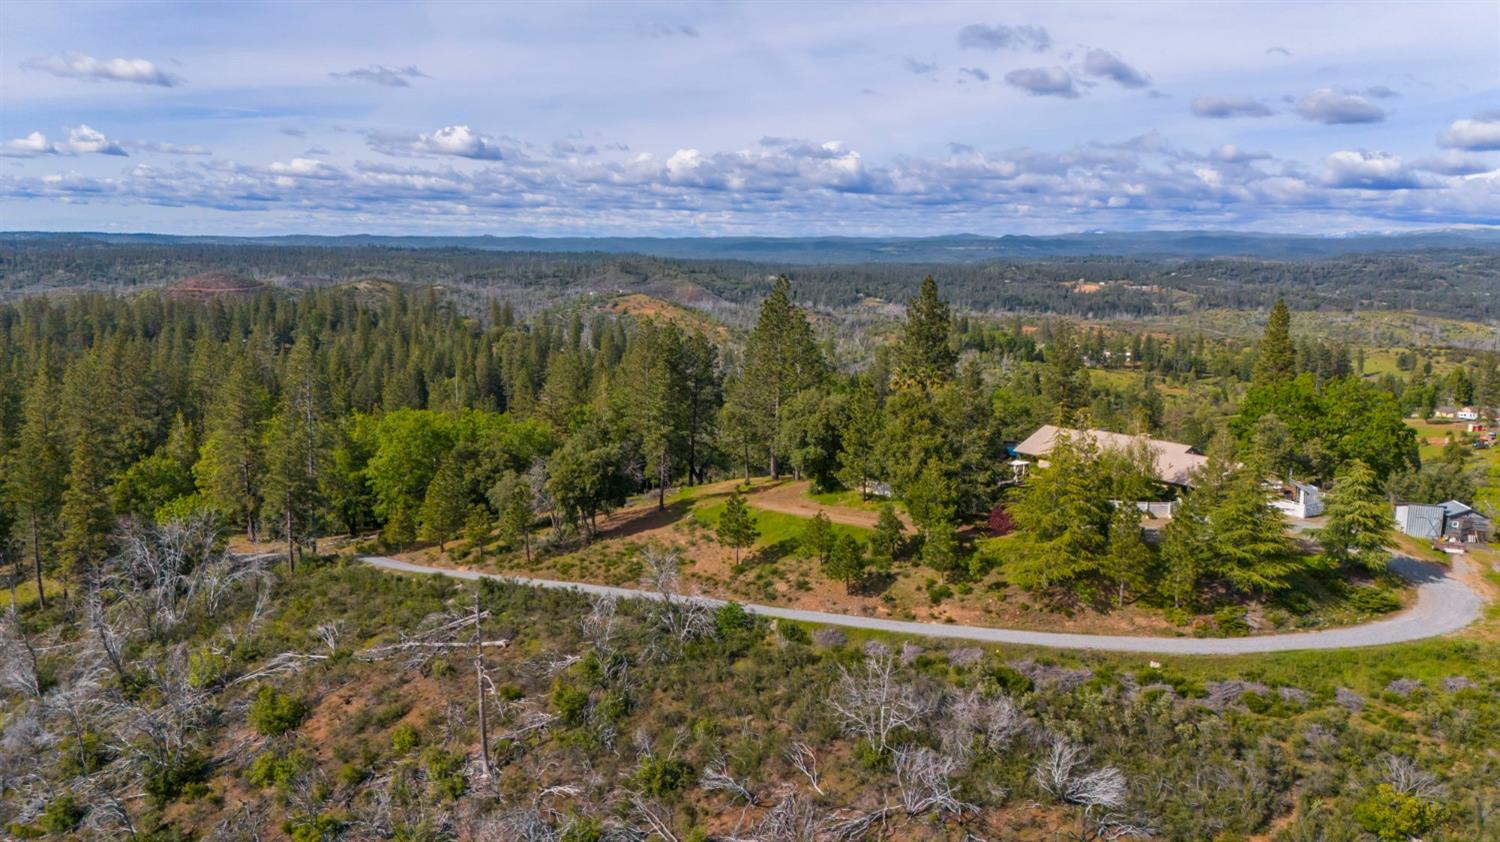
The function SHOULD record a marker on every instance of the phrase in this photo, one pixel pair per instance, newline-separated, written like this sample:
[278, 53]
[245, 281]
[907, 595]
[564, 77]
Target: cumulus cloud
[1481, 134]
[79, 66]
[1331, 107]
[379, 74]
[978, 74]
[1107, 65]
[460, 141]
[1220, 107]
[921, 68]
[1453, 162]
[1043, 81]
[1362, 170]
[978, 36]
[81, 140]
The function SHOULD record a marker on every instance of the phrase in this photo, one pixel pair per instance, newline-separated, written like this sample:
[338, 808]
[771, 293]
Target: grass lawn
[775, 527]
[1437, 431]
[850, 499]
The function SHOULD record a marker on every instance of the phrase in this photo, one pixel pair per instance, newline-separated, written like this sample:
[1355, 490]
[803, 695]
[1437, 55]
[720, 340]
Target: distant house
[1451, 520]
[1174, 462]
[1462, 523]
[1466, 413]
[1300, 500]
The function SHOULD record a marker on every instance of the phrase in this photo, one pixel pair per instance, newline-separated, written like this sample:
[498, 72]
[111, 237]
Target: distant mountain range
[958, 248]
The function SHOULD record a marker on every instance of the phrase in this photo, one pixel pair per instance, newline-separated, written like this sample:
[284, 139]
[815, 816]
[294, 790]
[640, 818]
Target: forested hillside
[159, 685]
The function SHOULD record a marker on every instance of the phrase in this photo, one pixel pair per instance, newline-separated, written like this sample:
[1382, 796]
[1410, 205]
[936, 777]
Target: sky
[772, 119]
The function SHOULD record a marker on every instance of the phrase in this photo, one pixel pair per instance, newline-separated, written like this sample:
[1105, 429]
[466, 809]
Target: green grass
[26, 591]
[775, 527]
[849, 499]
[1439, 430]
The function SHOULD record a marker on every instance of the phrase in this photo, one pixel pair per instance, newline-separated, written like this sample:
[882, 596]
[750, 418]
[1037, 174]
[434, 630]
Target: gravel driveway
[1444, 604]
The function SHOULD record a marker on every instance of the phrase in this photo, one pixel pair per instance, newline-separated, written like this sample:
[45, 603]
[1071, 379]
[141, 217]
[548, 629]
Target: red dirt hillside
[209, 285]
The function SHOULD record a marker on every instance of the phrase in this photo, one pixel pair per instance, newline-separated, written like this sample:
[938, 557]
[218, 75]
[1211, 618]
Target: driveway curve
[1444, 604]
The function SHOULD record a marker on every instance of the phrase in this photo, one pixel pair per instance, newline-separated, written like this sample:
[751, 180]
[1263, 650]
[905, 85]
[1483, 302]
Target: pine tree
[890, 535]
[736, 527]
[1359, 522]
[1186, 548]
[925, 358]
[1065, 379]
[781, 359]
[1276, 359]
[85, 520]
[446, 504]
[1064, 514]
[1127, 562]
[296, 449]
[817, 538]
[38, 466]
[231, 466]
[845, 561]
[859, 440]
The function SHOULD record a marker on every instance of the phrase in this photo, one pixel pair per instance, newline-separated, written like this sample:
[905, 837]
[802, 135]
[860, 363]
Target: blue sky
[756, 118]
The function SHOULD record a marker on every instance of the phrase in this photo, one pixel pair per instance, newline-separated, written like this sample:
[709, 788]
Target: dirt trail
[790, 498]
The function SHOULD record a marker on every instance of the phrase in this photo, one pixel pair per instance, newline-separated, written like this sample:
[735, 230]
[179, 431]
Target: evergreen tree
[1250, 546]
[781, 359]
[296, 450]
[1127, 562]
[231, 467]
[1186, 548]
[513, 498]
[36, 472]
[1359, 521]
[845, 561]
[1065, 379]
[1276, 359]
[446, 503]
[1064, 514]
[940, 550]
[817, 538]
[859, 440]
[926, 357]
[85, 520]
[889, 537]
[736, 527]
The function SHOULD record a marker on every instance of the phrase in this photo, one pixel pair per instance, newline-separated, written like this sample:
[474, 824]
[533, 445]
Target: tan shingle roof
[1175, 461]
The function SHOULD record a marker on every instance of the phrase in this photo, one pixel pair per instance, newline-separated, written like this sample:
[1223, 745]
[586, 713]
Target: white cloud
[1107, 65]
[379, 74]
[921, 68]
[1367, 171]
[1477, 135]
[79, 66]
[459, 141]
[1454, 162]
[81, 140]
[1220, 107]
[1043, 81]
[1331, 107]
[978, 74]
[978, 36]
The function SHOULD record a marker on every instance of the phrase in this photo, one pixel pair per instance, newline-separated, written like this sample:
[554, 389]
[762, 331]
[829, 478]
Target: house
[1466, 413]
[1461, 523]
[1174, 462]
[1300, 500]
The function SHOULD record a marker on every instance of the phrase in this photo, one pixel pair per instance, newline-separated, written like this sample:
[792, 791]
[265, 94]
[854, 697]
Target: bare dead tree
[991, 721]
[657, 819]
[1405, 777]
[481, 678]
[1101, 793]
[924, 781]
[802, 758]
[19, 669]
[790, 820]
[873, 703]
[682, 618]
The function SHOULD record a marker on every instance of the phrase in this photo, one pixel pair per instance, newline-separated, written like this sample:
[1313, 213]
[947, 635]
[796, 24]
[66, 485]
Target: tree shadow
[634, 523]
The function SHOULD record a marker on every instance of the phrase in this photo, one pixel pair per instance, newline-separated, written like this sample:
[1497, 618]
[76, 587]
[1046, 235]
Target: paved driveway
[1444, 604]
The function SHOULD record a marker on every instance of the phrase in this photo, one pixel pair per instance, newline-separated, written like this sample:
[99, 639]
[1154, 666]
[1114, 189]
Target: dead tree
[19, 668]
[873, 703]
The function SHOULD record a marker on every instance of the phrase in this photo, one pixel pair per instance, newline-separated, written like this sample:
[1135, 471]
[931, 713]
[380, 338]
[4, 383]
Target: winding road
[1444, 604]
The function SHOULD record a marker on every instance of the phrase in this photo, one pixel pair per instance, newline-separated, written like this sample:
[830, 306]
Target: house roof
[1453, 508]
[1175, 462]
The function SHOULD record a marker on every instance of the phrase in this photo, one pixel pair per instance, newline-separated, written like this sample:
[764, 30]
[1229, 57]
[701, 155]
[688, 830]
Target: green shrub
[274, 770]
[659, 776]
[582, 829]
[165, 781]
[81, 755]
[1009, 680]
[274, 713]
[445, 773]
[1374, 600]
[207, 667]
[1396, 816]
[405, 738]
[572, 703]
[1230, 621]
[62, 814]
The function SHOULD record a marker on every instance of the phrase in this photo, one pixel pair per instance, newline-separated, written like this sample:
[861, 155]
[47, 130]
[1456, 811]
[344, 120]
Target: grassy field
[775, 528]
[1432, 436]
[25, 592]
